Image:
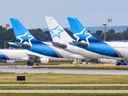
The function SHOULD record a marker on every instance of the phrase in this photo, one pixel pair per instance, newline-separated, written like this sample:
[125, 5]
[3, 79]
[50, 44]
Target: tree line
[7, 35]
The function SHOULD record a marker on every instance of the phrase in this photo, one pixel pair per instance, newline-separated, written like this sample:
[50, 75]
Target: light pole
[105, 30]
[110, 23]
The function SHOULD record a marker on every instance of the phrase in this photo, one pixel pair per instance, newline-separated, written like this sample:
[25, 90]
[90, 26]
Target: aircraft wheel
[30, 63]
[122, 62]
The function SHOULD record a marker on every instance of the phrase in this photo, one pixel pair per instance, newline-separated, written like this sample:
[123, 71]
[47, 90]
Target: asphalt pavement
[26, 69]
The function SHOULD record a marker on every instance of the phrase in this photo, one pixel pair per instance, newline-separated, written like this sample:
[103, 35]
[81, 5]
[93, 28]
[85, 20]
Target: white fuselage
[20, 54]
[64, 53]
[121, 47]
[14, 54]
[72, 51]
[84, 52]
[23, 55]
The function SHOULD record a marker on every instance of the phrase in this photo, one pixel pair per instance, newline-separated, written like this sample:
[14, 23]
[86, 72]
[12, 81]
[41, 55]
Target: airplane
[112, 49]
[119, 50]
[85, 45]
[37, 48]
[12, 55]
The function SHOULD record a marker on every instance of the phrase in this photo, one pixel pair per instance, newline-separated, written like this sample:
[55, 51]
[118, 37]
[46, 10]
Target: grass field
[10, 78]
[49, 78]
[85, 66]
[63, 94]
[64, 79]
[63, 87]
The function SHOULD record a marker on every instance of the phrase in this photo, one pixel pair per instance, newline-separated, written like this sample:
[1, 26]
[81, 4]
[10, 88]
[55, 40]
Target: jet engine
[81, 43]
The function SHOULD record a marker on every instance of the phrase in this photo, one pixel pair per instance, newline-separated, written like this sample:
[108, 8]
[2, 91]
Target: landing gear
[33, 60]
[122, 62]
[30, 63]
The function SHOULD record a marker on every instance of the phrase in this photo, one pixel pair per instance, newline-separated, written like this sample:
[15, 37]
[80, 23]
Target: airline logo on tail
[79, 31]
[25, 39]
[21, 32]
[56, 32]
[84, 33]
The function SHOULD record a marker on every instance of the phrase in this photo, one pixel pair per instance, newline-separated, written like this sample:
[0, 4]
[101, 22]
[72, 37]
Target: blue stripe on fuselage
[99, 47]
[103, 48]
[44, 50]
[3, 57]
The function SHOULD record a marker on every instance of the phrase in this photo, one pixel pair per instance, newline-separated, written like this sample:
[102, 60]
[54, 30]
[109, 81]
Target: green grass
[65, 79]
[53, 94]
[84, 66]
[63, 88]
[16, 63]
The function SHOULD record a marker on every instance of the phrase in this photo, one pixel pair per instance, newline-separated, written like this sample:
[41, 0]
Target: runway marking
[64, 85]
[64, 91]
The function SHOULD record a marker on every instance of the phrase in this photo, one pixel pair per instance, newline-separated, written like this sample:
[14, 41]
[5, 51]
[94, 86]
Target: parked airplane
[83, 45]
[36, 47]
[119, 49]
[111, 49]
[12, 55]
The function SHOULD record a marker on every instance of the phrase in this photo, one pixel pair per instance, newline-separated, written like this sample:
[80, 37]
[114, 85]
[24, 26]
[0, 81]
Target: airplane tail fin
[57, 32]
[75, 25]
[21, 33]
[78, 30]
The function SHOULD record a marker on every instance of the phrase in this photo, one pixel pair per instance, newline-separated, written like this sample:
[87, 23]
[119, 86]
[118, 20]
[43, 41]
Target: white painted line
[64, 91]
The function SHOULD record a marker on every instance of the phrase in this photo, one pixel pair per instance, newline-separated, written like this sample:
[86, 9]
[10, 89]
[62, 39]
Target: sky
[90, 12]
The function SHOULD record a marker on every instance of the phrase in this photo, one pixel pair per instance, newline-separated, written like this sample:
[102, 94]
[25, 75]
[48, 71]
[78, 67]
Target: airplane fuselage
[95, 50]
[13, 54]
[120, 47]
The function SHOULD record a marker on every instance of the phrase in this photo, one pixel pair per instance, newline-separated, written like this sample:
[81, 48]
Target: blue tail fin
[75, 24]
[79, 31]
[21, 33]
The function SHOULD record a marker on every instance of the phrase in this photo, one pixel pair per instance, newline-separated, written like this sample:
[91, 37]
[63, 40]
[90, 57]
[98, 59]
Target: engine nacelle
[81, 43]
[63, 46]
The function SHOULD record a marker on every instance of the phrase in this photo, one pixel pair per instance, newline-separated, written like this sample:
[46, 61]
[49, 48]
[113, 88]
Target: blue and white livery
[71, 45]
[32, 45]
[39, 48]
[94, 45]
